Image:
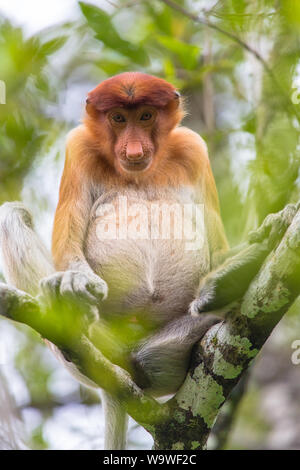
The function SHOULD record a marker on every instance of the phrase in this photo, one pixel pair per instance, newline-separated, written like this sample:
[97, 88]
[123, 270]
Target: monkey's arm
[206, 194]
[74, 205]
[70, 225]
[231, 279]
[193, 150]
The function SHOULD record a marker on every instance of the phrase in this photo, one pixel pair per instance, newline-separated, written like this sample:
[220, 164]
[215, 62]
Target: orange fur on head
[131, 89]
[130, 93]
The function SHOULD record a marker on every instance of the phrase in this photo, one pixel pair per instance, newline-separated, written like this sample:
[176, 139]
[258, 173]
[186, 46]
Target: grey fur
[116, 421]
[164, 357]
[25, 259]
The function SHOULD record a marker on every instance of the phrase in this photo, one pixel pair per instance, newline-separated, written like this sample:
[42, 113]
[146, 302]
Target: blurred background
[241, 79]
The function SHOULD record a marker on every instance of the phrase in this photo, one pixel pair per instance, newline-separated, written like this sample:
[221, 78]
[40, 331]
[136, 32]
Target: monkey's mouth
[135, 165]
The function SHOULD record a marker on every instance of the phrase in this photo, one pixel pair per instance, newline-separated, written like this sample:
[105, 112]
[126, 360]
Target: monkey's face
[134, 138]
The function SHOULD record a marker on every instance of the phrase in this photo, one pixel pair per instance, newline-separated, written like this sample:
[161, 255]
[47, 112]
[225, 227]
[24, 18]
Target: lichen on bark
[201, 401]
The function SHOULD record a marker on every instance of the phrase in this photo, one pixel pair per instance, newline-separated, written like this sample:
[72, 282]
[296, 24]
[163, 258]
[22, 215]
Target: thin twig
[236, 39]
[211, 25]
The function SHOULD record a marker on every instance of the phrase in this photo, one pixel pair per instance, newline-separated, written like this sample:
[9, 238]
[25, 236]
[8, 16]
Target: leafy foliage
[25, 125]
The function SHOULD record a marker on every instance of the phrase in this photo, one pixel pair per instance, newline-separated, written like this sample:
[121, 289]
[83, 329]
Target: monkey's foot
[274, 226]
[198, 306]
[75, 286]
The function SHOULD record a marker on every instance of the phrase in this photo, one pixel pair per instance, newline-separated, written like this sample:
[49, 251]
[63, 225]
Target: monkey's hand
[76, 286]
[274, 226]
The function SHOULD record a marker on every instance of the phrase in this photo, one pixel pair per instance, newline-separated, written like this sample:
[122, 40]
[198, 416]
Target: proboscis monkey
[134, 180]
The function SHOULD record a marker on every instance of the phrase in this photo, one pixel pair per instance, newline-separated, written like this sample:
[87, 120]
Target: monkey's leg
[161, 362]
[230, 280]
[25, 260]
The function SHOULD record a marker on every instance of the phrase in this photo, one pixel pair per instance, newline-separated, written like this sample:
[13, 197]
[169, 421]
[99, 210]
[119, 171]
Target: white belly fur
[157, 277]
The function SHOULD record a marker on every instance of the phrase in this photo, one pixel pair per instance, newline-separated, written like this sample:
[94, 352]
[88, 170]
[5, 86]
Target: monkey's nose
[134, 151]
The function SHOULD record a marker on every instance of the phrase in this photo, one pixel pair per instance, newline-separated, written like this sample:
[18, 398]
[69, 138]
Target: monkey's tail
[116, 421]
[25, 259]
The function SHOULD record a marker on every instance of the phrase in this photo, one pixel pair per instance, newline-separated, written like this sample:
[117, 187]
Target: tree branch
[228, 348]
[21, 307]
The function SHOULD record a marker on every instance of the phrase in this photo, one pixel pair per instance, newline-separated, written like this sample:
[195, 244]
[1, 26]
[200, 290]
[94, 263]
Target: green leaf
[162, 19]
[187, 54]
[53, 45]
[169, 69]
[239, 6]
[111, 67]
[291, 11]
[101, 24]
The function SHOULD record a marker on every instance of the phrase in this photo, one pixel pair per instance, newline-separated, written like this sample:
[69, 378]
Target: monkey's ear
[174, 103]
[87, 104]
[89, 107]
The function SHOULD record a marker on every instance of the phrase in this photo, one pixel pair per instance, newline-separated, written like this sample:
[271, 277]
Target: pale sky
[34, 15]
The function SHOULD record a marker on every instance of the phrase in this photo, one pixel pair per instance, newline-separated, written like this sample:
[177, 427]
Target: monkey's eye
[146, 116]
[118, 117]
